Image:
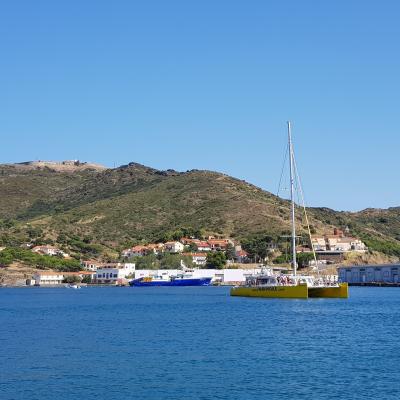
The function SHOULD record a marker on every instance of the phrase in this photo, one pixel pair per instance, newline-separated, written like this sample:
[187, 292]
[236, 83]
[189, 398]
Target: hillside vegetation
[96, 211]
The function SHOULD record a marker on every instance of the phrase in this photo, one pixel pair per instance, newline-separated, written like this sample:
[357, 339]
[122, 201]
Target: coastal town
[225, 260]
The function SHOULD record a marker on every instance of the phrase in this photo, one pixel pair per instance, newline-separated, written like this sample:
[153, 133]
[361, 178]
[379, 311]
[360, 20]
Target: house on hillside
[174, 247]
[203, 246]
[332, 248]
[187, 241]
[337, 242]
[90, 265]
[143, 250]
[318, 243]
[156, 248]
[136, 251]
[49, 251]
[219, 244]
[242, 256]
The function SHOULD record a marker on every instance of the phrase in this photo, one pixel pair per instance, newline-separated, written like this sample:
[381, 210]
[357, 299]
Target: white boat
[72, 286]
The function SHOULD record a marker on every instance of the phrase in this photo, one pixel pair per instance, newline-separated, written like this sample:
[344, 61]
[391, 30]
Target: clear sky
[209, 85]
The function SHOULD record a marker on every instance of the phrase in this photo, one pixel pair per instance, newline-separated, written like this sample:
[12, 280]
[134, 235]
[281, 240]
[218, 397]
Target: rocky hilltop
[60, 166]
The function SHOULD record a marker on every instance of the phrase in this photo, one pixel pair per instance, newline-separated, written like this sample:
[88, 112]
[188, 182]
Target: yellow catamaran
[291, 286]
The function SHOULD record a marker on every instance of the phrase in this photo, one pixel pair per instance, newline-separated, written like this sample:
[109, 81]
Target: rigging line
[283, 168]
[305, 212]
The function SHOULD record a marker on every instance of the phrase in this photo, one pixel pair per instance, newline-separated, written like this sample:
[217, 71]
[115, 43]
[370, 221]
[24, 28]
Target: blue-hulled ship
[178, 280]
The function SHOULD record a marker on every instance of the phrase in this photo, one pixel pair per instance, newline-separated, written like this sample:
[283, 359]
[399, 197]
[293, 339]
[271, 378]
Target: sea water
[197, 343]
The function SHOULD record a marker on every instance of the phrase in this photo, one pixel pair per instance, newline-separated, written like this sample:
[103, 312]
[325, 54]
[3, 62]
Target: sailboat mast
[292, 199]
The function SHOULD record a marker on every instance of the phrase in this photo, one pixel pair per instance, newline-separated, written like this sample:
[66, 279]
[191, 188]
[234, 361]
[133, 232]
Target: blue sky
[209, 85]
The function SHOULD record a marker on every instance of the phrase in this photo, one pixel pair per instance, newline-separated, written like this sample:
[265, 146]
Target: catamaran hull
[173, 282]
[341, 291]
[293, 292]
[281, 292]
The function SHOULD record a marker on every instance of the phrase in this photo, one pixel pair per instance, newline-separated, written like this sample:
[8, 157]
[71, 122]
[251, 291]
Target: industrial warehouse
[370, 274]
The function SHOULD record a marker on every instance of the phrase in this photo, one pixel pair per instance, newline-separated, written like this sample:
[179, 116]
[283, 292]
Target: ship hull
[341, 291]
[173, 282]
[281, 292]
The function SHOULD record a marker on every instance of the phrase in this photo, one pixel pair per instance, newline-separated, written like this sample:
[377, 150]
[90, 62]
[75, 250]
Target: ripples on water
[197, 343]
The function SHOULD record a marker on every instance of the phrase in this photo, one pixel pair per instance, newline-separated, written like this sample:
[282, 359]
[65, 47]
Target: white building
[90, 265]
[174, 247]
[114, 272]
[338, 243]
[48, 278]
[345, 244]
[388, 273]
[319, 243]
[49, 251]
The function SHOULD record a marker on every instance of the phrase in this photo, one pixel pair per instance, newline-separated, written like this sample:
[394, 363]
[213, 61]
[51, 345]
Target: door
[378, 275]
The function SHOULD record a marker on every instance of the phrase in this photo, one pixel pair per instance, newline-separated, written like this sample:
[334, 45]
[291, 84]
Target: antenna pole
[292, 200]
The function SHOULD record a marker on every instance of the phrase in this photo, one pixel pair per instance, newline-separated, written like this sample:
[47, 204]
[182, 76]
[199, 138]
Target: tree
[303, 259]
[258, 246]
[87, 279]
[230, 251]
[216, 260]
[147, 262]
[173, 261]
[192, 247]
[72, 279]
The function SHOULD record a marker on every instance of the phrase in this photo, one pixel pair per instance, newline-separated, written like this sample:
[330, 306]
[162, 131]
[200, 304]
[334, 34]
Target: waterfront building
[112, 273]
[360, 274]
[46, 278]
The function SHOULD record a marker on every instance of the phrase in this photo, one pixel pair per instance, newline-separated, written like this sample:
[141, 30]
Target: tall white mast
[292, 199]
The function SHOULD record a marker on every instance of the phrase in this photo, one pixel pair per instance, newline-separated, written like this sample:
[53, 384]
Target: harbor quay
[124, 272]
[121, 273]
[370, 275]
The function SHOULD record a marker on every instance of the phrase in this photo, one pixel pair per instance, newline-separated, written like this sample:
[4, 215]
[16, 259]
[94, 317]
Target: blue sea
[197, 343]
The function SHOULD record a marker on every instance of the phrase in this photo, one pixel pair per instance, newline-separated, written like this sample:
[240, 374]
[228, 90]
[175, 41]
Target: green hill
[90, 209]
